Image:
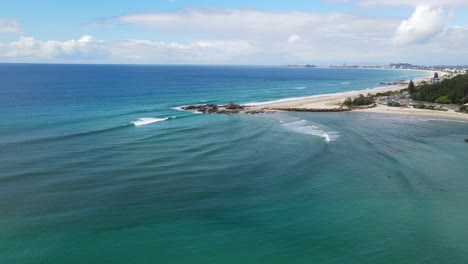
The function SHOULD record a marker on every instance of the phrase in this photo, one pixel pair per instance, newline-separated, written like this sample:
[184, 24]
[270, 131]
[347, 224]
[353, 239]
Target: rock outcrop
[206, 109]
[233, 106]
[230, 108]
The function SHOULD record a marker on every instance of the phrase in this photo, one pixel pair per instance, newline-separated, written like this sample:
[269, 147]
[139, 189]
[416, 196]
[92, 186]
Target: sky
[242, 32]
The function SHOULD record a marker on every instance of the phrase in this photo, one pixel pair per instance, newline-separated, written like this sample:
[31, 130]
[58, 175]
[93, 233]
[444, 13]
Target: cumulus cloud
[248, 36]
[9, 26]
[423, 24]
[200, 51]
[454, 39]
[448, 47]
[251, 36]
[254, 24]
[85, 47]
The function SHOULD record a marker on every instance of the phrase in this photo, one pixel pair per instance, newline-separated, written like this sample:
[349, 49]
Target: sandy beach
[383, 109]
[322, 101]
[331, 101]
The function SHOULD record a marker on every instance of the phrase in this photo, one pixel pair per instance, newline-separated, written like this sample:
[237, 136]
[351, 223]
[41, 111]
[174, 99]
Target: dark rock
[207, 109]
[233, 106]
[212, 109]
[190, 107]
[254, 112]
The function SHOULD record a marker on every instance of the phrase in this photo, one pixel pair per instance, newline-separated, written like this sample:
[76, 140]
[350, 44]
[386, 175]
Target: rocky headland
[233, 108]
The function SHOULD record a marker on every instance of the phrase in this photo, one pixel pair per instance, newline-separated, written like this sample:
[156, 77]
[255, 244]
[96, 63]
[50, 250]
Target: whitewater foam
[311, 96]
[282, 100]
[441, 119]
[149, 120]
[305, 127]
[180, 108]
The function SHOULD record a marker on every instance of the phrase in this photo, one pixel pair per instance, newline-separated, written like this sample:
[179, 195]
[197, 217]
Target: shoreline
[333, 101]
[383, 109]
[377, 89]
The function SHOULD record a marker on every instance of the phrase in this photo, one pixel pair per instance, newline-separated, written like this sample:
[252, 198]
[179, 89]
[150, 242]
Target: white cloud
[85, 47]
[453, 39]
[413, 2]
[423, 24]
[247, 36]
[293, 38]
[448, 47]
[25, 46]
[201, 51]
[317, 37]
[9, 26]
[256, 36]
[254, 24]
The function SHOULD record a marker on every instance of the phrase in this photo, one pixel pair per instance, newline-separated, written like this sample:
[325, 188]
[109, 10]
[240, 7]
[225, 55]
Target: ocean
[98, 165]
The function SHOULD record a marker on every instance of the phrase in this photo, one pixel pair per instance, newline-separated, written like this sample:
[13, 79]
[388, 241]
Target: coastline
[334, 96]
[319, 101]
[383, 109]
[333, 101]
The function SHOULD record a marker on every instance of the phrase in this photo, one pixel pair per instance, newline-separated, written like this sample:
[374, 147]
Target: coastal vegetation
[463, 108]
[451, 91]
[430, 107]
[389, 93]
[360, 100]
[411, 87]
[395, 104]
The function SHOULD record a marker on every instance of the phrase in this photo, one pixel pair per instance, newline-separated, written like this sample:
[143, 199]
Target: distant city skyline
[245, 32]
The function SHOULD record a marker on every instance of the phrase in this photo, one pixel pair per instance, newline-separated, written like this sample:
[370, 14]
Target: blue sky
[244, 31]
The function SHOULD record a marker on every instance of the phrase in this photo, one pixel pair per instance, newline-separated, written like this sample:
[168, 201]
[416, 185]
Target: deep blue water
[79, 183]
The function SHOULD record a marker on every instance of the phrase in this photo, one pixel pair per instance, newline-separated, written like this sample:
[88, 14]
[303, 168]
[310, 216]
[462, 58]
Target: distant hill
[453, 91]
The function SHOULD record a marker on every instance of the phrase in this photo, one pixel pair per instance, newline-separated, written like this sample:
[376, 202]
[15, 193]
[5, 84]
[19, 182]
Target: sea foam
[288, 99]
[300, 98]
[305, 127]
[441, 119]
[180, 108]
[149, 120]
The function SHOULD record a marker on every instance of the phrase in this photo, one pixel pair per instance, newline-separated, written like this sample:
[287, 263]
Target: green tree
[436, 75]
[455, 89]
[359, 100]
[443, 99]
[411, 87]
[348, 101]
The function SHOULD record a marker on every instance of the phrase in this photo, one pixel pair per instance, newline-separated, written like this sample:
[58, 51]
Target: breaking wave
[305, 127]
[179, 108]
[149, 120]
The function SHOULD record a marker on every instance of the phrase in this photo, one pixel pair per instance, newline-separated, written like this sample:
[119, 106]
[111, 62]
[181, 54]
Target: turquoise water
[81, 184]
